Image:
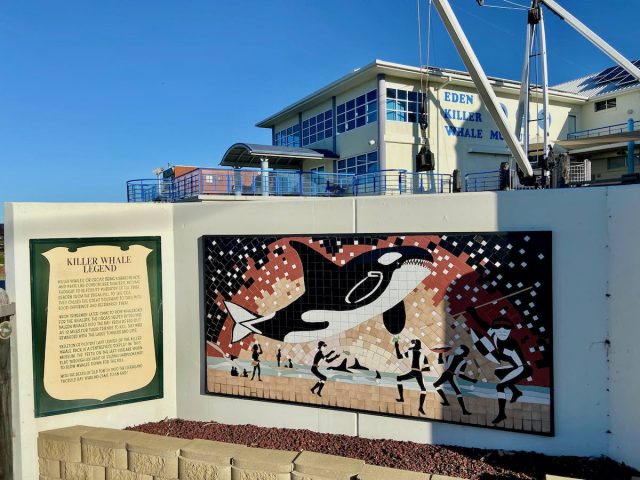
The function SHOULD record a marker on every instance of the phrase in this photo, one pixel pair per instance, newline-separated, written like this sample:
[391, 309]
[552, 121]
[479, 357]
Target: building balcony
[203, 182]
[601, 131]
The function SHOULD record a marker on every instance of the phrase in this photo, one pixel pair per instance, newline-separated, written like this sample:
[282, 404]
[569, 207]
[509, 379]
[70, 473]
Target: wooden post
[6, 459]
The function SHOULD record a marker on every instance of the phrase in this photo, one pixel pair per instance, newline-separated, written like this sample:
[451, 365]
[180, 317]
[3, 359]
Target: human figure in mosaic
[279, 356]
[417, 362]
[455, 365]
[497, 346]
[256, 351]
[320, 356]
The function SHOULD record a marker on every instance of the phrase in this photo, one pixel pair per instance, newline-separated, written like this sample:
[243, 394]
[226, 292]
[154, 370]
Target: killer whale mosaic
[442, 327]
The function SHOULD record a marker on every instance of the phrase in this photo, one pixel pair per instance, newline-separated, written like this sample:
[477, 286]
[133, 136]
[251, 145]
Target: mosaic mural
[453, 328]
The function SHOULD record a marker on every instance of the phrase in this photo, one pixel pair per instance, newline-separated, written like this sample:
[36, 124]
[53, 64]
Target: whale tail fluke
[243, 322]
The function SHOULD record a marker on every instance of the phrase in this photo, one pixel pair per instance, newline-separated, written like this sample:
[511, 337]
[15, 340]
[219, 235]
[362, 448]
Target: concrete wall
[624, 327]
[85, 452]
[582, 231]
[595, 353]
[32, 221]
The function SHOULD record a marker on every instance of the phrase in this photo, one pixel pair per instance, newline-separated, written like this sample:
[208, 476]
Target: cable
[506, 8]
[516, 4]
[428, 61]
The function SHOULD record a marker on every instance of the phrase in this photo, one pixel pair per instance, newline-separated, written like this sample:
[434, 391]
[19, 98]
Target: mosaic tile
[453, 327]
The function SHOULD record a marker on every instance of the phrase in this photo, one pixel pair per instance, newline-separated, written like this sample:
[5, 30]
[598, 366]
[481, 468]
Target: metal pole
[545, 84]
[264, 176]
[382, 121]
[631, 146]
[482, 83]
[237, 181]
[523, 103]
[587, 33]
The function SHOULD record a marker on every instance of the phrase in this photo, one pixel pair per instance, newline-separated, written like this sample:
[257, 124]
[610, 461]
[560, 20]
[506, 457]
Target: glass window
[357, 112]
[288, 137]
[318, 127]
[616, 162]
[605, 104]
[358, 165]
[406, 106]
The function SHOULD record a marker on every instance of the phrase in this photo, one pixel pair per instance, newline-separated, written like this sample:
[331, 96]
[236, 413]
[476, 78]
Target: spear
[491, 302]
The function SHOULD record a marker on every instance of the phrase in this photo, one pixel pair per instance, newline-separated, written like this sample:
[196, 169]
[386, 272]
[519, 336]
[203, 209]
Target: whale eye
[389, 258]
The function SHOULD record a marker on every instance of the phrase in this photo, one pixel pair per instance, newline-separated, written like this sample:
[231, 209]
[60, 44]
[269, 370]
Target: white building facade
[368, 121]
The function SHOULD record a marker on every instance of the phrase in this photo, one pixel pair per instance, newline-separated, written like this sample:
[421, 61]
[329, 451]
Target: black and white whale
[337, 298]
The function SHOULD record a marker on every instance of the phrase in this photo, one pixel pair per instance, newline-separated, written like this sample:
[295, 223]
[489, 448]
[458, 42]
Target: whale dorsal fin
[316, 268]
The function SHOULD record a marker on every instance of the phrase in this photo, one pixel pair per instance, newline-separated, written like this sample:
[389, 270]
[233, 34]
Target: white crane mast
[535, 23]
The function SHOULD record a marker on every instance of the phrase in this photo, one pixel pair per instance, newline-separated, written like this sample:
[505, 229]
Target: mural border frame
[155, 389]
[203, 306]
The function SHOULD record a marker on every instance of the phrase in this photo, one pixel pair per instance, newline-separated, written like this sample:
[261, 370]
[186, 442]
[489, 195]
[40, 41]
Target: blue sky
[95, 93]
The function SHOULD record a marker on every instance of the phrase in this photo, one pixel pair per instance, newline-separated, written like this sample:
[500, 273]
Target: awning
[249, 155]
[598, 141]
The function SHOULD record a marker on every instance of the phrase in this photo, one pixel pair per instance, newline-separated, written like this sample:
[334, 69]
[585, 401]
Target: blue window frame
[361, 164]
[404, 105]
[288, 137]
[357, 112]
[317, 128]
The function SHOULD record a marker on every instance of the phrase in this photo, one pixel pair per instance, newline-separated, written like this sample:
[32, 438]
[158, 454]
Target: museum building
[367, 121]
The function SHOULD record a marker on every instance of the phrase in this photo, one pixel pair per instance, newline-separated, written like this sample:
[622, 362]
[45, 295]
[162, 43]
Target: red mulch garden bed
[469, 463]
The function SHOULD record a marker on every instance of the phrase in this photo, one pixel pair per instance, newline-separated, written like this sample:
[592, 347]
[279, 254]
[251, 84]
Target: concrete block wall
[88, 453]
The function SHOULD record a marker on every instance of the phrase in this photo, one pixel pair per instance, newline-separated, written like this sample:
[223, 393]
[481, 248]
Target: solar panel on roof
[604, 72]
[613, 73]
[629, 79]
[623, 73]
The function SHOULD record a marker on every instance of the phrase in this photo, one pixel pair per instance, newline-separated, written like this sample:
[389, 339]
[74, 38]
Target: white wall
[578, 221]
[624, 323]
[581, 233]
[594, 231]
[25, 221]
[191, 221]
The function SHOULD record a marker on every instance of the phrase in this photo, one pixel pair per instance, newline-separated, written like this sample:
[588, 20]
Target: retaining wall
[86, 453]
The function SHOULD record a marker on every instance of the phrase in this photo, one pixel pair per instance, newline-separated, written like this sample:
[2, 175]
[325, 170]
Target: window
[404, 106]
[357, 112]
[605, 104]
[208, 179]
[616, 162]
[572, 124]
[317, 128]
[289, 137]
[361, 164]
[317, 175]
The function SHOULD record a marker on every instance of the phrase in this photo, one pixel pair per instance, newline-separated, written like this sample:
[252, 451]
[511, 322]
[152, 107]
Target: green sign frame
[44, 404]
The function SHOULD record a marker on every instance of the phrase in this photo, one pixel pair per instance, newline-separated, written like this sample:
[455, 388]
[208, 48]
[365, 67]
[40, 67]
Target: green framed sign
[96, 312]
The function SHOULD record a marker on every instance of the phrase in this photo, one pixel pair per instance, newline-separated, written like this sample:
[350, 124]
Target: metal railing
[212, 181]
[428, 182]
[580, 171]
[608, 130]
[482, 181]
